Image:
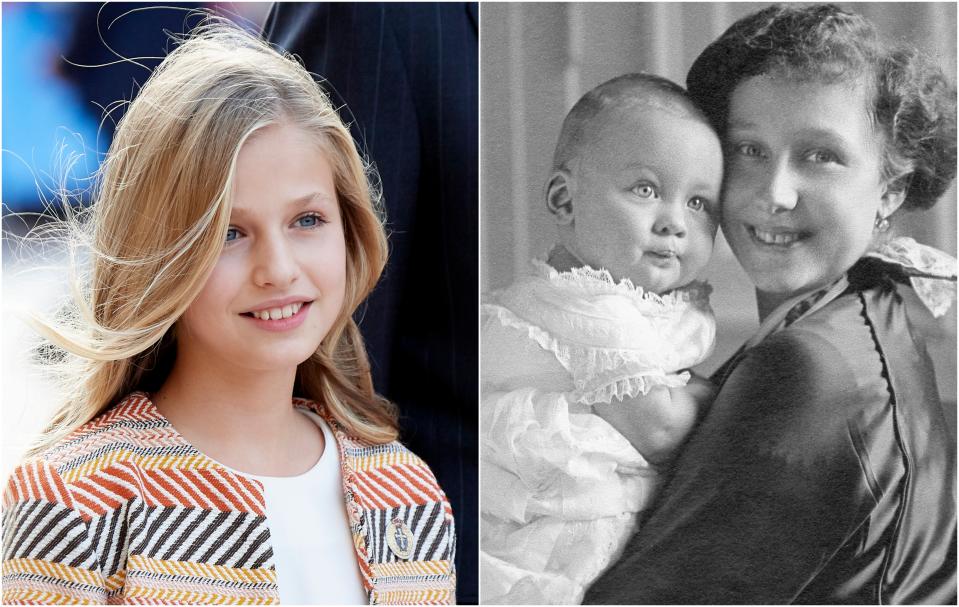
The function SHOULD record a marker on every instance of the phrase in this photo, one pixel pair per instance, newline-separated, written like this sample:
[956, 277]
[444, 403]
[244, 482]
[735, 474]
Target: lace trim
[931, 272]
[595, 281]
[599, 374]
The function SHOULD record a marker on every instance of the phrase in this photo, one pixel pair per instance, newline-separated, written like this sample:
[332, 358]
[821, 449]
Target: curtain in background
[538, 59]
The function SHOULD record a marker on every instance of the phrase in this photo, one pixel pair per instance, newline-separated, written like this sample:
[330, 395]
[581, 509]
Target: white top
[315, 563]
[561, 487]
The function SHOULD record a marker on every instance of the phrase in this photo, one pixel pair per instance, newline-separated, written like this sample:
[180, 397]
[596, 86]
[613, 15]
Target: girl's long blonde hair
[157, 228]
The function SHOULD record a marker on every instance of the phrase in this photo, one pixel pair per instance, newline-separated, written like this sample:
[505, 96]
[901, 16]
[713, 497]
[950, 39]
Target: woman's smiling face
[802, 187]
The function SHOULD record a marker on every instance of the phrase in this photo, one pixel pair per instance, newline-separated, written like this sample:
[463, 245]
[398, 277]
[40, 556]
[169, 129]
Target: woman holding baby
[823, 472]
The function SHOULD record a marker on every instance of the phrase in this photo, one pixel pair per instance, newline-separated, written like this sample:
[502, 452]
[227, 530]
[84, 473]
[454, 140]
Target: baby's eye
[645, 190]
[696, 203]
[821, 157]
[310, 220]
[232, 234]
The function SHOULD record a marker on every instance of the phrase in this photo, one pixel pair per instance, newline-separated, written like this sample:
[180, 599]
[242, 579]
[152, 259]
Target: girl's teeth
[278, 313]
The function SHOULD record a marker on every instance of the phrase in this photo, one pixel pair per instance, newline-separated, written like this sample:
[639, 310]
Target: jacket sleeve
[767, 489]
[48, 550]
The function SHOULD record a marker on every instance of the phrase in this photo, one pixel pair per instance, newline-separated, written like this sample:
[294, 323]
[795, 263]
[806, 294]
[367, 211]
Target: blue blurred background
[64, 64]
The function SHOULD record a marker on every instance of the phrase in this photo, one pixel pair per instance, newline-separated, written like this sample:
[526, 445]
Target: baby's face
[645, 193]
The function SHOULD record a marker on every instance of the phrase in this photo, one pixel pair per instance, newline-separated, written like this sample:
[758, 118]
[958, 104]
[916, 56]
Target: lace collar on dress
[931, 272]
[591, 281]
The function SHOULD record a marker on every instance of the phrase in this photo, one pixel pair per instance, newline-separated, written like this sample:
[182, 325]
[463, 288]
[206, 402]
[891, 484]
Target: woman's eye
[748, 149]
[645, 190]
[821, 157]
[232, 234]
[309, 221]
[696, 203]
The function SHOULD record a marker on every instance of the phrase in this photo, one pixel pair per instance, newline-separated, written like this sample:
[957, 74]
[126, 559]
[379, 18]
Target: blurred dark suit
[407, 74]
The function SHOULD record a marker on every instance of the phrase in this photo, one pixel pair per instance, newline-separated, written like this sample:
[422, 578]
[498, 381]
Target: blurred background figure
[407, 74]
[64, 65]
[539, 58]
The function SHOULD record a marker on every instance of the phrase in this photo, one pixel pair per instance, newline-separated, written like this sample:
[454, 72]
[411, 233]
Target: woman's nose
[779, 192]
[670, 219]
[275, 263]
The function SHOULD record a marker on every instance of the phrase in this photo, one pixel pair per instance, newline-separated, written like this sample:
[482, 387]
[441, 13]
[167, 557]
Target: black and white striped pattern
[47, 531]
[231, 539]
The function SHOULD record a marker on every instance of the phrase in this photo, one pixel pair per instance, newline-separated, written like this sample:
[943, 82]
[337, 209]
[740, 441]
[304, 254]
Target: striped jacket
[126, 511]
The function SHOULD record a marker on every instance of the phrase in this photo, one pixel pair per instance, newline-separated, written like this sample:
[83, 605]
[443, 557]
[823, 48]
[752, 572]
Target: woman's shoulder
[844, 362]
[812, 378]
[835, 348]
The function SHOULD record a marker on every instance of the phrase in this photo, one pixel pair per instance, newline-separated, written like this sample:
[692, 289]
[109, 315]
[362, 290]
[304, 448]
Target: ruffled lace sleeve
[615, 340]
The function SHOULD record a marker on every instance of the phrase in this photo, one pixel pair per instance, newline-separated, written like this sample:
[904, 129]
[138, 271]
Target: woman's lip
[776, 237]
[281, 324]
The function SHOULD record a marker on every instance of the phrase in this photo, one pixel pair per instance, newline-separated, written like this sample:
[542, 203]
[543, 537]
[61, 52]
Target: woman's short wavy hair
[912, 104]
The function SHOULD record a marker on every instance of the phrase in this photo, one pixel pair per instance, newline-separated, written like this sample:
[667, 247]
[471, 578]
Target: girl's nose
[275, 265]
[670, 219]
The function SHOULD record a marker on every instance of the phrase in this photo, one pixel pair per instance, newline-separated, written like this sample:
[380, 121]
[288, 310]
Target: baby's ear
[559, 197]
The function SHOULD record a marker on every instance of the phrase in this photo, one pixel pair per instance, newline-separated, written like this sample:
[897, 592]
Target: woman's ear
[559, 197]
[891, 200]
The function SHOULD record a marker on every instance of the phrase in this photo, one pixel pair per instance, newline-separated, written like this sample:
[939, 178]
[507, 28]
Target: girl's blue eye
[645, 190]
[309, 221]
[232, 234]
[696, 203]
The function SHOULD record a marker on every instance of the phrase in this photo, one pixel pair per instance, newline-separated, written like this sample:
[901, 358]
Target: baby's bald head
[639, 91]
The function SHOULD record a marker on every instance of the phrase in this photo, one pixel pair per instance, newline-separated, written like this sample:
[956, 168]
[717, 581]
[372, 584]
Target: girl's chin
[270, 359]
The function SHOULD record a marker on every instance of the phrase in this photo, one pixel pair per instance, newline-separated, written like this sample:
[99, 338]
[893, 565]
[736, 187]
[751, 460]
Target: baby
[583, 384]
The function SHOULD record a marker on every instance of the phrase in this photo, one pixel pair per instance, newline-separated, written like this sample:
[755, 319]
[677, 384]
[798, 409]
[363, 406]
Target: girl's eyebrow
[294, 203]
[306, 199]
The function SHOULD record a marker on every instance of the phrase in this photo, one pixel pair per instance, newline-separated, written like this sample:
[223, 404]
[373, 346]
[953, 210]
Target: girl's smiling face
[279, 284]
[802, 188]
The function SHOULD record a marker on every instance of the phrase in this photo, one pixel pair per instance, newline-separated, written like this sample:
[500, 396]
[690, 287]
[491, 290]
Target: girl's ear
[559, 198]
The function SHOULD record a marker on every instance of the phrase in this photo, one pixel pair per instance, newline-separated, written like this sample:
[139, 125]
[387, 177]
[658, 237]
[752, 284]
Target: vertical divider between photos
[517, 111]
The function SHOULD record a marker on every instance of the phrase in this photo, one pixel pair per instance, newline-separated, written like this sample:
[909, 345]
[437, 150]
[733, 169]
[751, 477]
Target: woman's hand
[701, 390]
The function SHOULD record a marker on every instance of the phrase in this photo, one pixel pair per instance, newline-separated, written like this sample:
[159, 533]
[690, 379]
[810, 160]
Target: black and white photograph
[501, 303]
[718, 323]
[240, 346]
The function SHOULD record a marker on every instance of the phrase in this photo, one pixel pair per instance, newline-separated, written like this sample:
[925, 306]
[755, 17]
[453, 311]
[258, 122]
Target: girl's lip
[279, 303]
[281, 324]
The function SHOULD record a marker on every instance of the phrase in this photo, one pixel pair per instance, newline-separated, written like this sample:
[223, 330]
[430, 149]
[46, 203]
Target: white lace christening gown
[560, 487]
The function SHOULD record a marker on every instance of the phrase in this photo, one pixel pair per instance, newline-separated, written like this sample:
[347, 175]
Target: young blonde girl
[214, 372]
